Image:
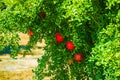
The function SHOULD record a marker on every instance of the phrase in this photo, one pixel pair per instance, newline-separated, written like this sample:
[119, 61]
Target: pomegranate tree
[82, 36]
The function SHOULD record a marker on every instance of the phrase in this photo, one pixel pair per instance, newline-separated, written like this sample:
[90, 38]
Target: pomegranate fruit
[70, 45]
[78, 57]
[30, 32]
[59, 38]
[43, 15]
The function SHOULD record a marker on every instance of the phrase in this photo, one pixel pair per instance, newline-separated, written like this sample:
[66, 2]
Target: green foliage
[17, 17]
[107, 49]
[92, 25]
[61, 18]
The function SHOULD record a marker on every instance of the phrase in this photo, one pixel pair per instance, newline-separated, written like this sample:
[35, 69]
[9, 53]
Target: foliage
[92, 25]
[15, 18]
[106, 52]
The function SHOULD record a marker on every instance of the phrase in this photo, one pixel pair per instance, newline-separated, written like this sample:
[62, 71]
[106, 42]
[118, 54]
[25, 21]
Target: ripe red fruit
[78, 57]
[43, 15]
[30, 32]
[70, 45]
[59, 38]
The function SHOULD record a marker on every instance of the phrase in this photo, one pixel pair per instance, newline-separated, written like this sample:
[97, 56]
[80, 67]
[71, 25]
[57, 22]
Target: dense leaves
[92, 27]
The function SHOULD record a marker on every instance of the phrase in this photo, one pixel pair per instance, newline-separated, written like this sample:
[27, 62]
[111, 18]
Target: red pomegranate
[70, 45]
[30, 32]
[43, 15]
[78, 57]
[59, 38]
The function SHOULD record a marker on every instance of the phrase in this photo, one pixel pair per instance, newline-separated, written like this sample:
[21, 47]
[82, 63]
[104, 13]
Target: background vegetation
[92, 25]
